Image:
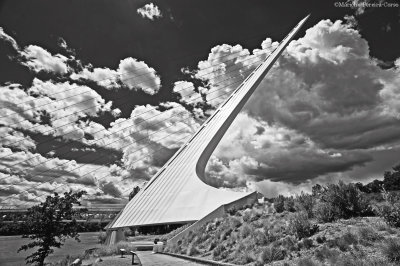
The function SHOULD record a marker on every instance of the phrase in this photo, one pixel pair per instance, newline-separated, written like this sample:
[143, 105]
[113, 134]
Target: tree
[50, 223]
[134, 192]
[391, 179]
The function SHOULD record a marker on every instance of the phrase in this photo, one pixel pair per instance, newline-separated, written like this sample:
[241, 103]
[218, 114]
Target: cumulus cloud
[132, 73]
[325, 105]
[63, 103]
[136, 73]
[39, 59]
[153, 136]
[320, 110]
[187, 92]
[150, 11]
[103, 76]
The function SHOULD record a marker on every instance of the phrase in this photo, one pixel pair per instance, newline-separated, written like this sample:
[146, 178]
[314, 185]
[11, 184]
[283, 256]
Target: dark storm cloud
[110, 189]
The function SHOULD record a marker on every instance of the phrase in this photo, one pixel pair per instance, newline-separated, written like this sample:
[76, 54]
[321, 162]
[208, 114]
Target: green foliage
[301, 226]
[391, 249]
[47, 225]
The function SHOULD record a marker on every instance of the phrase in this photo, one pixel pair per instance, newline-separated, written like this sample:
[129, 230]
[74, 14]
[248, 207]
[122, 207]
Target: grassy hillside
[329, 228]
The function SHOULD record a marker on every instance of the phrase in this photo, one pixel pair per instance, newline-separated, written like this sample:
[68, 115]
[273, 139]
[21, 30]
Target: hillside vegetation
[338, 224]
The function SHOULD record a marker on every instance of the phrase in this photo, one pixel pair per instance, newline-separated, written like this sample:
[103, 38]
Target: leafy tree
[50, 223]
[344, 200]
[134, 192]
[391, 179]
[305, 202]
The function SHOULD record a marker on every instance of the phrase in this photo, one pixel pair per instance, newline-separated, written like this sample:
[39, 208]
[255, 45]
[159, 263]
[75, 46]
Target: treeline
[331, 202]
[18, 228]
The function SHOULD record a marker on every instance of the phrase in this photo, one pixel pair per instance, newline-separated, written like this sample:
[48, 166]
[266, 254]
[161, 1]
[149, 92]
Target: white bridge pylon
[177, 193]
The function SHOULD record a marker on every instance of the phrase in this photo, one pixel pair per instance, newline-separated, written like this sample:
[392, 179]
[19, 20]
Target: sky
[98, 95]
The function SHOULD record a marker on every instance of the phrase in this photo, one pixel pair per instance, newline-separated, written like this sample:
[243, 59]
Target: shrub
[301, 226]
[344, 242]
[102, 237]
[234, 222]
[218, 251]
[246, 230]
[213, 244]
[327, 254]
[246, 216]
[192, 250]
[307, 243]
[390, 210]
[391, 249]
[289, 204]
[324, 212]
[320, 239]
[344, 200]
[368, 234]
[305, 202]
[270, 254]
[279, 204]
[242, 257]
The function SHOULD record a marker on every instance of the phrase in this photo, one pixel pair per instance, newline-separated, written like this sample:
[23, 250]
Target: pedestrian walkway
[147, 258]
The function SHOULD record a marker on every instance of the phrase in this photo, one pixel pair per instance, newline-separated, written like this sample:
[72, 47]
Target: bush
[246, 230]
[307, 243]
[270, 254]
[368, 234]
[301, 226]
[218, 250]
[391, 249]
[279, 204]
[289, 204]
[344, 200]
[344, 242]
[324, 212]
[102, 237]
[321, 239]
[192, 250]
[325, 253]
[390, 210]
[305, 202]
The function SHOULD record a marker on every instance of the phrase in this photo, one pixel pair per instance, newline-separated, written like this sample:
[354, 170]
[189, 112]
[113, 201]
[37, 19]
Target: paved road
[149, 259]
